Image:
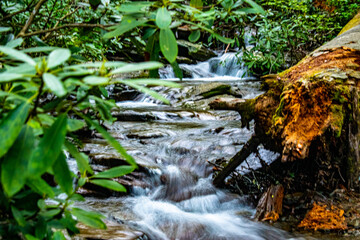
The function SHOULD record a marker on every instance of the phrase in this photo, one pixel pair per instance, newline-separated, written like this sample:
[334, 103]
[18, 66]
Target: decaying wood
[312, 109]
[269, 207]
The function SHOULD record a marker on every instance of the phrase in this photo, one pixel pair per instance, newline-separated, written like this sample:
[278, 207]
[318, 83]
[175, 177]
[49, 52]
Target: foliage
[46, 95]
[80, 26]
[159, 18]
[72, 24]
[290, 29]
[42, 102]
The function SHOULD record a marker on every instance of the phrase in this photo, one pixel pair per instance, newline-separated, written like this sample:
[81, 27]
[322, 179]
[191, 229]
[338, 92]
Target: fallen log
[311, 112]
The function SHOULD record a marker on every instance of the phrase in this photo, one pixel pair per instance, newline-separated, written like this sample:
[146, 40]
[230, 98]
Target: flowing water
[176, 198]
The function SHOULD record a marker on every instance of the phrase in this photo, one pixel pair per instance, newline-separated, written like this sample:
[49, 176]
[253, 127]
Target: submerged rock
[114, 231]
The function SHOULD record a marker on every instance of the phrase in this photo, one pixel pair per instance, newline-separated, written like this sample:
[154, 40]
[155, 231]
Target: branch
[235, 161]
[31, 18]
[18, 12]
[61, 19]
[70, 25]
[50, 14]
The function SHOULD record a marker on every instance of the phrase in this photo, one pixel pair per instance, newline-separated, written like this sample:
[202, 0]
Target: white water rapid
[177, 199]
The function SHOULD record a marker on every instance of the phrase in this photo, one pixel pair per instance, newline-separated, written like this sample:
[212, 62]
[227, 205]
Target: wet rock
[114, 231]
[131, 115]
[125, 95]
[207, 90]
[104, 155]
[194, 51]
[148, 133]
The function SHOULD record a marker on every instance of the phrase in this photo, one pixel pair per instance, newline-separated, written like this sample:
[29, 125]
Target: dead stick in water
[235, 161]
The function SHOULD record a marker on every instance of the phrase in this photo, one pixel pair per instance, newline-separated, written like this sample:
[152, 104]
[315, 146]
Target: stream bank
[172, 196]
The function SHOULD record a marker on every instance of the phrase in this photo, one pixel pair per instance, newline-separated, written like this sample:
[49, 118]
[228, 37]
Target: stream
[175, 198]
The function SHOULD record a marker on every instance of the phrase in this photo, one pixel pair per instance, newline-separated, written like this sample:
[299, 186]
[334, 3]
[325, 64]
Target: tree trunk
[310, 112]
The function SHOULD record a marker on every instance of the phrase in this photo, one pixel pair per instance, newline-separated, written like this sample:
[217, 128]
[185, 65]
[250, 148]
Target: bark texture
[311, 111]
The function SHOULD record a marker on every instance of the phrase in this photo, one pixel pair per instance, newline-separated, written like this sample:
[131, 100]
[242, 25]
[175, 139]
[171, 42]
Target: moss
[247, 112]
[278, 111]
[273, 87]
[337, 119]
[223, 89]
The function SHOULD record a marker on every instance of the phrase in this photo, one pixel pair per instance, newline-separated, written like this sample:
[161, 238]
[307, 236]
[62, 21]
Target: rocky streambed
[177, 148]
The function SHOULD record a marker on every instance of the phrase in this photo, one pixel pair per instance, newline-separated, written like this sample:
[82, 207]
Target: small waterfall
[179, 200]
[225, 67]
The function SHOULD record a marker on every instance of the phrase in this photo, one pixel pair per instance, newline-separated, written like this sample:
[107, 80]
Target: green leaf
[9, 77]
[111, 140]
[132, 67]
[58, 57]
[58, 236]
[39, 49]
[40, 186]
[104, 110]
[12, 95]
[157, 82]
[127, 24]
[18, 216]
[81, 159]
[95, 80]
[49, 147]
[5, 29]
[14, 43]
[112, 185]
[50, 213]
[168, 44]
[177, 70]
[255, 6]
[77, 197]
[30, 237]
[97, 65]
[223, 39]
[146, 90]
[135, 7]
[194, 36]
[148, 33]
[14, 166]
[196, 4]
[243, 11]
[163, 18]
[62, 174]
[23, 68]
[11, 125]
[115, 172]
[54, 84]
[74, 125]
[89, 218]
[17, 55]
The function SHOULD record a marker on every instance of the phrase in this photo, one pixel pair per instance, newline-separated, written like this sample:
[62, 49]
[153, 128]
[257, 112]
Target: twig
[61, 19]
[70, 25]
[50, 14]
[31, 18]
[227, 48]
[34, 111]
[18, 12]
